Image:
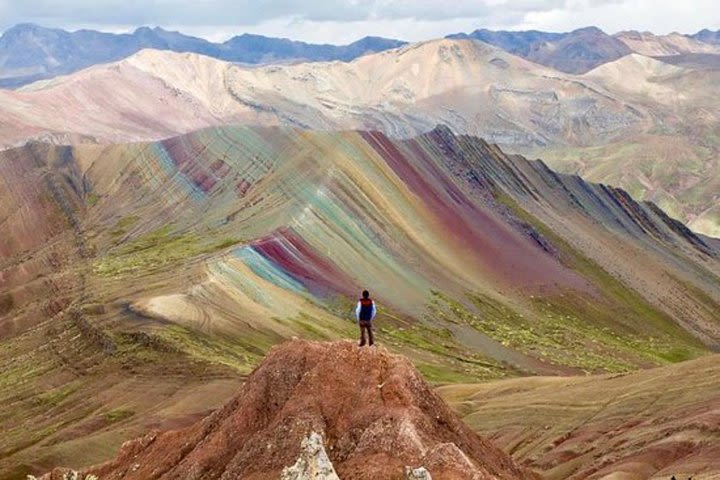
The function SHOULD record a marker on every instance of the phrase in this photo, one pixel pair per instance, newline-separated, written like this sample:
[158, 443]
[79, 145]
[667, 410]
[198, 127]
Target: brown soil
[373, 409]
[651, 424]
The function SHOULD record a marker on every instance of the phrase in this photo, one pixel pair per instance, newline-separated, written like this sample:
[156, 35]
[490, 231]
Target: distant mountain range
[30, 52]
[582, 50]
[468, 85]
[637, 122]
[575, 52]
[707, 36]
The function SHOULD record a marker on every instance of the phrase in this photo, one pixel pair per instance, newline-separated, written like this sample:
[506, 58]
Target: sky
[343, 21]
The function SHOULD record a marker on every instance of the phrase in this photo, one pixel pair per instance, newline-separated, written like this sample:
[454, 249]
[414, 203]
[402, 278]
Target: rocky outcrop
[372, 410]
[313, 463]
[420, 473]
[65, 474]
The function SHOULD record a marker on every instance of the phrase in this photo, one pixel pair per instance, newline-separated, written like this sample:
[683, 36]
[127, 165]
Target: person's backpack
[366, 307]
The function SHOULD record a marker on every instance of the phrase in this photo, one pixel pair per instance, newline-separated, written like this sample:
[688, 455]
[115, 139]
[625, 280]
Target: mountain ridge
[708, 36]
[633, 132]
[157, 274]
[575, 52]
[58, 52]
[647, 43]
[55, 51]
[316, 95]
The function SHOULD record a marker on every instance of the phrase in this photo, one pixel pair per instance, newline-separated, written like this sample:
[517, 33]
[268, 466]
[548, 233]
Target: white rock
[313, 462]
[419, 473]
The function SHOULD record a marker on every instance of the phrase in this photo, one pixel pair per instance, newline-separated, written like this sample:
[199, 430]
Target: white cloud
[657, 16]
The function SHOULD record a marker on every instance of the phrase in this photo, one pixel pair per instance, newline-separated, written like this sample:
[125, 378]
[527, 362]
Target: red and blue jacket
[365, 310]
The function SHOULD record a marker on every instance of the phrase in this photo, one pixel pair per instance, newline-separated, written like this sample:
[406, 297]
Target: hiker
[364, 314]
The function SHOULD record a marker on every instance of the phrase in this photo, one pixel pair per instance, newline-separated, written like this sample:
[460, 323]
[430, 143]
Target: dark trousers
[366, 325]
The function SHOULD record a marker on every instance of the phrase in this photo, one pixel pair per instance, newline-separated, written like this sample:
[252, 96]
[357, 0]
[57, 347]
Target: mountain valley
[187, 226]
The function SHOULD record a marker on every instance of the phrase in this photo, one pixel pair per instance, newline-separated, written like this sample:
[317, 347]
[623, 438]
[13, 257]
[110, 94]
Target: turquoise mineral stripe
[268, 270]
[166, 162]
[247, 154]
[232, 277]
[145, 162]
[247, 145]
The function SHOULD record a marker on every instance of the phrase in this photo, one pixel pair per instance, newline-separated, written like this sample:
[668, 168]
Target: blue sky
[342, 21]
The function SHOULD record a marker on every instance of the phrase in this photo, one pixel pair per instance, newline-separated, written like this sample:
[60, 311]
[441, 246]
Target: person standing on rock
[365, 313]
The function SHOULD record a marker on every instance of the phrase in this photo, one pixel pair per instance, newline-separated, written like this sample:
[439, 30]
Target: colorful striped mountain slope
[184, 260]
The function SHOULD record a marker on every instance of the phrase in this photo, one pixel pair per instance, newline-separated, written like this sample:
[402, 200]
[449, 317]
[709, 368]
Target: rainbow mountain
[645, 125]
[164, 270]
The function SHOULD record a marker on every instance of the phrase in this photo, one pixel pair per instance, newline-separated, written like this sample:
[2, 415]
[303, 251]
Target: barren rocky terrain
[373, 411]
